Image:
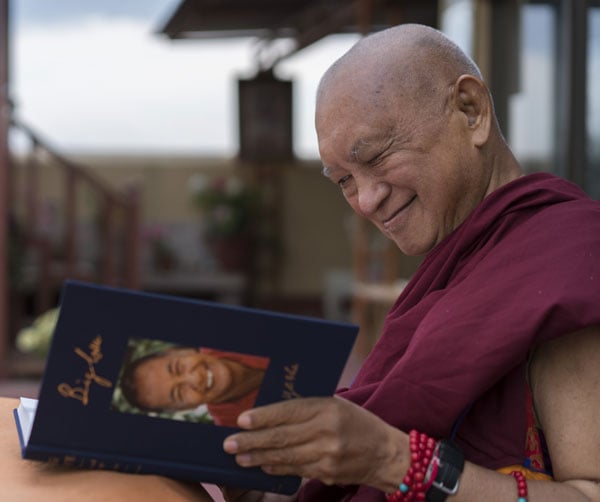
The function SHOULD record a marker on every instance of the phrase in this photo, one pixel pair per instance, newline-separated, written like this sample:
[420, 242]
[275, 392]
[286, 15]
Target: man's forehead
[359, 141]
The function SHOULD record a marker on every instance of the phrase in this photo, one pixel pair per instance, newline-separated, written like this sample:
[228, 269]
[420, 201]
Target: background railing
[65, 222]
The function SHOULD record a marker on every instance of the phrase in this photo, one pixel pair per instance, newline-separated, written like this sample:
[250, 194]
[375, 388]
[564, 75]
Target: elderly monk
[489, 361]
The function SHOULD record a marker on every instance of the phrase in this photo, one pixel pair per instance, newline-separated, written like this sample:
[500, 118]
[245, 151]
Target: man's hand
[330, 439]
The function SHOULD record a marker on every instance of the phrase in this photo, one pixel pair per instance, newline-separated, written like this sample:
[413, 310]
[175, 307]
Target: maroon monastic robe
[523, 268]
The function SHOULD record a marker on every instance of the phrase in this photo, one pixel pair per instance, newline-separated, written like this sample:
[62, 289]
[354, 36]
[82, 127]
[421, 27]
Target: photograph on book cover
[197, 384]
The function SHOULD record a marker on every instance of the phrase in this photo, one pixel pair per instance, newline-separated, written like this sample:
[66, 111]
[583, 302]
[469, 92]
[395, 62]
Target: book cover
[150, 383]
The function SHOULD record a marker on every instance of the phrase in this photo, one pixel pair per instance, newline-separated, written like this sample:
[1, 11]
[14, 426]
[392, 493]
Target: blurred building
[131, 221]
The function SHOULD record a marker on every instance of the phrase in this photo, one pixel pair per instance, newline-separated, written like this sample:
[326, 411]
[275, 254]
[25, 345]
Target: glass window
[456, 21]
[532, 108]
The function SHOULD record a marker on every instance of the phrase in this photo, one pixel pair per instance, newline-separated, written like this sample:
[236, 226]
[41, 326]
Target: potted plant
[36, 338]
[229, 208]
[161, 253]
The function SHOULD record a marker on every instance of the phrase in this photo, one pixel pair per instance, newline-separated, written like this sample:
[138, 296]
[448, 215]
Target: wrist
[394, 462]
[434, 471]
[412, 485]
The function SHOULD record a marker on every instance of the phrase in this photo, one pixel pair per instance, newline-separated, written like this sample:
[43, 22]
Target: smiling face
[416, 186]
[402, 138]
[184, 378]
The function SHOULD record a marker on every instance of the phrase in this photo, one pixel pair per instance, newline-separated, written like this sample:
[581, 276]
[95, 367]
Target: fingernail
[243, 459]
[230, 446]
[244, 421]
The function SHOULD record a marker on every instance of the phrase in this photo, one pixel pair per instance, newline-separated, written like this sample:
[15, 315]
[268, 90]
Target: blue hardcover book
[152, 384]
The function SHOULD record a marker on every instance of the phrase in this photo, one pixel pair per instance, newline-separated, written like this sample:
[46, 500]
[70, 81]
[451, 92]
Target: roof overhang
[303, 21]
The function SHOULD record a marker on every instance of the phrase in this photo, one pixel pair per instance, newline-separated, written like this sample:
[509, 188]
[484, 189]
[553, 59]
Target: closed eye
[344, 180]
[376, 159]
[174, 367]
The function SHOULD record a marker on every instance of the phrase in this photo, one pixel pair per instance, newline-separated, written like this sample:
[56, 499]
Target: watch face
[432, 468]
[443, 472]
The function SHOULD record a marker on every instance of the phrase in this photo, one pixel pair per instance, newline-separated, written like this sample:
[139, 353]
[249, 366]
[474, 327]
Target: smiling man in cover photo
[183, 378]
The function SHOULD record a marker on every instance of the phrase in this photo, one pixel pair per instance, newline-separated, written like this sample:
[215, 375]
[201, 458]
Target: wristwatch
[447, 463]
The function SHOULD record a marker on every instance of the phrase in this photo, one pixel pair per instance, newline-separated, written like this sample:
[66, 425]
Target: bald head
[415, 49]
[414, 61]
[410, 60]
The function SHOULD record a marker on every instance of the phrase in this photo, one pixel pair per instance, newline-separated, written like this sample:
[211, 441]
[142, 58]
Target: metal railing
[69, 223]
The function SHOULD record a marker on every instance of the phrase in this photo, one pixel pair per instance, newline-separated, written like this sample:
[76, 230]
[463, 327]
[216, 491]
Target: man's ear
[473, 100]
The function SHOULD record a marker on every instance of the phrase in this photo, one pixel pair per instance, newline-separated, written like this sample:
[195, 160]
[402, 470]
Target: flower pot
[233, 254]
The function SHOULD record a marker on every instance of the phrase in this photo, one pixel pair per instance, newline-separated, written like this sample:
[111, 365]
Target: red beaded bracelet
[521, 485]
[413, 486]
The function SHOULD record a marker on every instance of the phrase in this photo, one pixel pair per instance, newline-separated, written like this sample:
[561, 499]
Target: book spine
[251, 479]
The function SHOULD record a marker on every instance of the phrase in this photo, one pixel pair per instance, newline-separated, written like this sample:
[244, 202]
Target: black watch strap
[451, 462]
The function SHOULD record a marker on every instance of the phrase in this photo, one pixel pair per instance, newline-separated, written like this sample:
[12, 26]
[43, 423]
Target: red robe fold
[523, 268]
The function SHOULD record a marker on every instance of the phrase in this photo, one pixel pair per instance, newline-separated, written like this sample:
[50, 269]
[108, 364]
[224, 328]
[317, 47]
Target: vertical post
[572, 90]
[133, 239]
[108, 240]
[71, 222]
[32, 175]
[496, 54]
[364, 14]
[482, 52]
[4, 179]
[505, 68]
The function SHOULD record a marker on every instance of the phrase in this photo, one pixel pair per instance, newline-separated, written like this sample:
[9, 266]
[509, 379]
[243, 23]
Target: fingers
[329, 439]
[275, 438]
[304, 461]
[293, 410]
[301, 460]
[286, 425]
[314, 470]
[285, 461]
[301, 449]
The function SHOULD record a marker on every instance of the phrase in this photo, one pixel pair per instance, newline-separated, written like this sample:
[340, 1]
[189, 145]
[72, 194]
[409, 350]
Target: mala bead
[521, 485]
[412, 487]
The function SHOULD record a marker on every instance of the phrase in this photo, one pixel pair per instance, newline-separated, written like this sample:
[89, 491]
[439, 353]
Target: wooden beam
[481, 39]
[5, 109]
[133, 240]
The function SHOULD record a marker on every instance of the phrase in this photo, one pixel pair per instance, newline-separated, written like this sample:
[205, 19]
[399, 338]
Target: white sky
[100, 81]
[94, 75]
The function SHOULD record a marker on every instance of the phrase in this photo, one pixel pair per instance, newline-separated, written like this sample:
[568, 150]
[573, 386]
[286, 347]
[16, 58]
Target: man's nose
[371, 193]
[193, 377]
